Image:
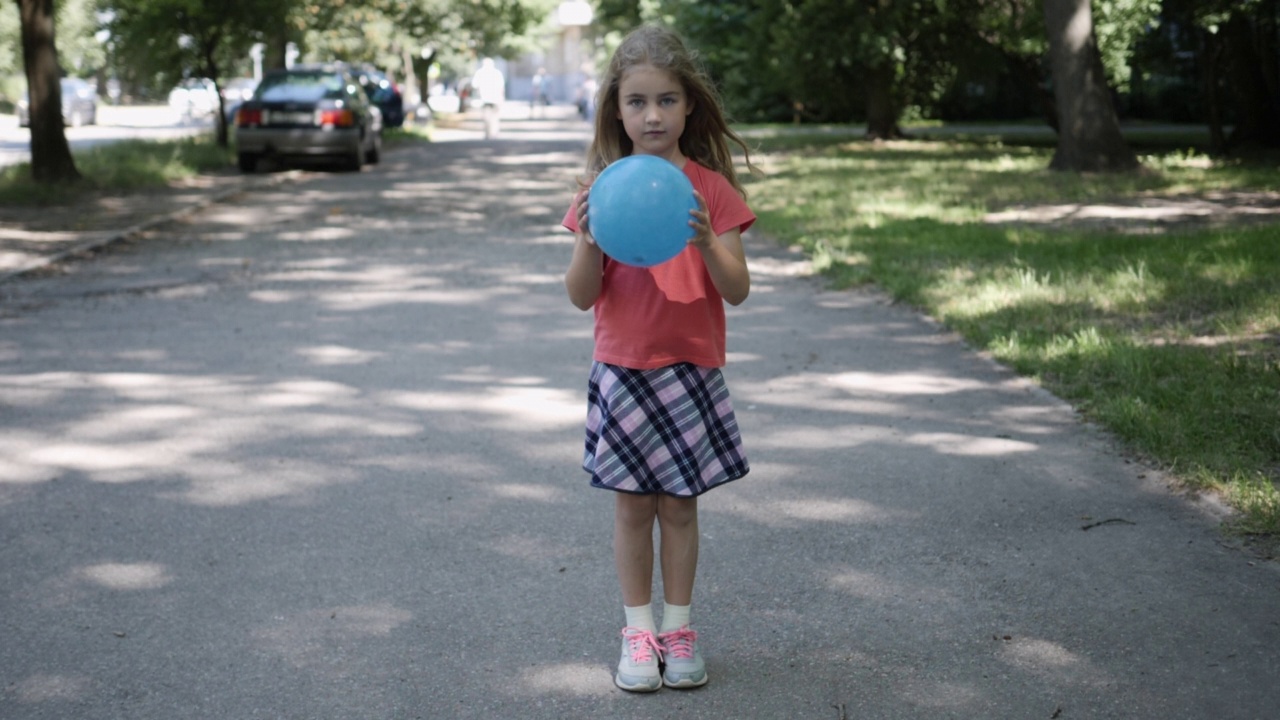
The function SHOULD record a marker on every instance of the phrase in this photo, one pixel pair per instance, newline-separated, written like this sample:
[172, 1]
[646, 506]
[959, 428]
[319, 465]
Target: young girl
[660, 426]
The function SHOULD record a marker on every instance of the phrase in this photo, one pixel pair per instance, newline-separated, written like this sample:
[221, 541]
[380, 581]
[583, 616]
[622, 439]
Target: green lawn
[125, 166]
[1169, 336]
[136, 165]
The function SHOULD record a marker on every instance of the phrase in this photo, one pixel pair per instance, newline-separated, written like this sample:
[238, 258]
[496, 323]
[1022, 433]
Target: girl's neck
[675, 157]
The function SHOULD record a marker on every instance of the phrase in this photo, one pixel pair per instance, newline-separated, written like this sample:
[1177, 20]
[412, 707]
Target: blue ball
[638, 210]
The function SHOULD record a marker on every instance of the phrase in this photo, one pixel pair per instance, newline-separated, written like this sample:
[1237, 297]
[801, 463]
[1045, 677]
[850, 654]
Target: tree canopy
[878, 62]
[162, 41]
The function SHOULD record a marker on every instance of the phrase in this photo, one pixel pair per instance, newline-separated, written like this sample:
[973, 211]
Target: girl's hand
[580, 204]
[584, 278]
[723, 255]
[700, 221]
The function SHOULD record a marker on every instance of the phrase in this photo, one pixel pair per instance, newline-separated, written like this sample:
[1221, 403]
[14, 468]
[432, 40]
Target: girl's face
[652, 106]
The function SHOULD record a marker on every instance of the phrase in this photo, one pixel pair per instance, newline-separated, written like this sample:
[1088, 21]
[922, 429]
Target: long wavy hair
[706, 133]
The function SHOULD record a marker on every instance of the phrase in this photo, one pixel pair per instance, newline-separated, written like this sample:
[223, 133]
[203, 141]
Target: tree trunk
[51, 160]
[277, 39]
[1089, 136]
[882, 107]
[212, 70]
[1211, 54]
[222, 133]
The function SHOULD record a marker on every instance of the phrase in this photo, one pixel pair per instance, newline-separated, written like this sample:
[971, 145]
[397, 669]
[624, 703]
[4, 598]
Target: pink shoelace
[679, 643]
[642, 644]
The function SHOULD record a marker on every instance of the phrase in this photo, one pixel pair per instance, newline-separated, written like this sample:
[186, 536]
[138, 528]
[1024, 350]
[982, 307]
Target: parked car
[384, 93]
[234, 92]
[194, 98]
[317, 112]
[79, 104]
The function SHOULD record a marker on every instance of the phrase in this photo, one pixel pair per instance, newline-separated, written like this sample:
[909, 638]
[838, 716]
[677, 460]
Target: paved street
[313, 452]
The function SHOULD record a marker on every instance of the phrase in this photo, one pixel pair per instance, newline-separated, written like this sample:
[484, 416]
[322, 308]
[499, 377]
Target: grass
[125, 166]
[407, 133]
[137, 165]
[1171, 339]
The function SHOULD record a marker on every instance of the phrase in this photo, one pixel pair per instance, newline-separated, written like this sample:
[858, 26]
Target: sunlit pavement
[27, 246]
[314, 454]
[517, 121]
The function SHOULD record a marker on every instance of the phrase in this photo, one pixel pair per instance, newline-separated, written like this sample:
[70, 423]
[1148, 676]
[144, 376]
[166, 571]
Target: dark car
[384, 93]
[312, 112]
[79, 104]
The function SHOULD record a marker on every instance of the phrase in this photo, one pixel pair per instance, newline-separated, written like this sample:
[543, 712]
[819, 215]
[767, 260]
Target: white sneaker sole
[638, 684]
[685, 680]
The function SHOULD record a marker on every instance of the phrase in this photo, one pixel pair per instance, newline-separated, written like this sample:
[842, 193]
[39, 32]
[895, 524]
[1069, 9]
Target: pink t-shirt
[670, 313]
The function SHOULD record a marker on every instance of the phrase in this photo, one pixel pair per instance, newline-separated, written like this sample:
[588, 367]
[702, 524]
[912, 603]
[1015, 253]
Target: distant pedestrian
[538, 94]
[587, 98]
[490, 89]
[660, 427]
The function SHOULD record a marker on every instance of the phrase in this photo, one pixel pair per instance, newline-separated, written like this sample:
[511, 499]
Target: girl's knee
[636, 509]
[677, 510]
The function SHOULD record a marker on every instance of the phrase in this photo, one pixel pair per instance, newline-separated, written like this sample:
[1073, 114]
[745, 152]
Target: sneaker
[638, 668]
[684, 666]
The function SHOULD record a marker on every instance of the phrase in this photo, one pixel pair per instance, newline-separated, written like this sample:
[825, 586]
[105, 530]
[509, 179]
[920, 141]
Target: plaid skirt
[669, 430]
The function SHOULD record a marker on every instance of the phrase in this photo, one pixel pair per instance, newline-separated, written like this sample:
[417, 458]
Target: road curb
[113, 236]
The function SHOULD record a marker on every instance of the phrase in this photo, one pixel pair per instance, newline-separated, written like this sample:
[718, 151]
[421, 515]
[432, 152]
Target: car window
[74, 86]
[298, 87]
[379, 93]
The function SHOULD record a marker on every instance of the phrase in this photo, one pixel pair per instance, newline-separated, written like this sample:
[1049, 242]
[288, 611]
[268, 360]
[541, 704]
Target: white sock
[640, 616]
[674, 617]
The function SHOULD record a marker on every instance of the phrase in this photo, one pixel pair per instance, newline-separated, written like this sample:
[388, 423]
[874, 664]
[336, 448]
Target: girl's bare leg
[633, 546]
[678, 527]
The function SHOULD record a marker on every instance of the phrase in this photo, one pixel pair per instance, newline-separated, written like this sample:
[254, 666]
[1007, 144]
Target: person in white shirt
[490, 89]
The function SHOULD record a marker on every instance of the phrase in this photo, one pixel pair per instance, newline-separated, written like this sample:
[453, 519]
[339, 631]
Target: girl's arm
[723, 255]
[584, 277]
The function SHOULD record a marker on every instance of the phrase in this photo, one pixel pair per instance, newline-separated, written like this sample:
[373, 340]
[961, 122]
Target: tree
[379, 31]
[177, 38]
[405, 37]
[825, 60]
[80, 53]
[1014, 29]
[173, 39]
[1241, 48]
[1089, 136]
[739, 43]
[51, 160]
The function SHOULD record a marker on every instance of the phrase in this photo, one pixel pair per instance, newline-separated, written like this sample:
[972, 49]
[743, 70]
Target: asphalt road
[313, 453]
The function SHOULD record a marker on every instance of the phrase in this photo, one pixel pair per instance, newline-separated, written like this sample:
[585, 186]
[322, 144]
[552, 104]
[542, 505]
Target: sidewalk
[32, 238]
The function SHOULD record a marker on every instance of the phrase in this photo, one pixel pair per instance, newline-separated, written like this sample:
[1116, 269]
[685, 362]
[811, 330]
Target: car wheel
[248, 162]
[356, 160]
[375, 154]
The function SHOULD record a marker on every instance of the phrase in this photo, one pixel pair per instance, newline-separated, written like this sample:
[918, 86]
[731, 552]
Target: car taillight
[337, 118]
[246, 117]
